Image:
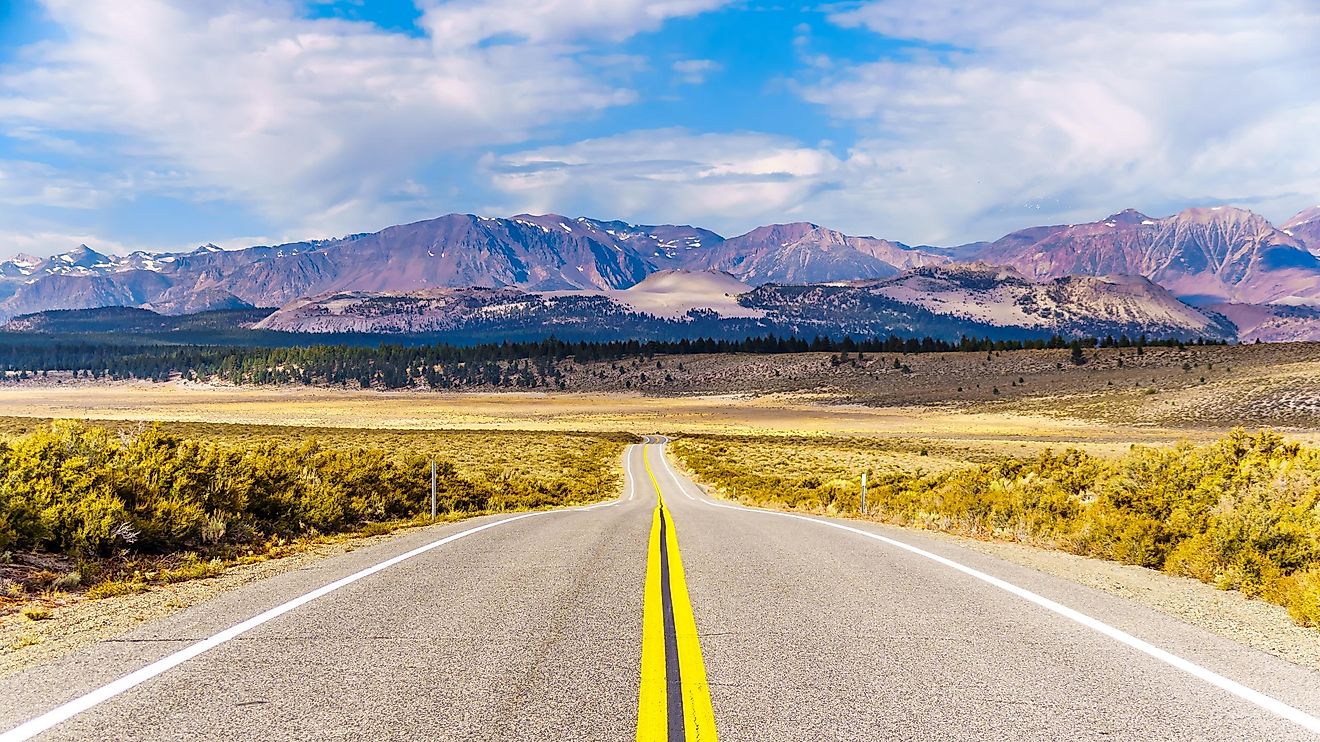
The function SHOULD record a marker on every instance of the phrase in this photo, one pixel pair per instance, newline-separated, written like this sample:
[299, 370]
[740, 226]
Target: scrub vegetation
[1242, 513]
[110, 510]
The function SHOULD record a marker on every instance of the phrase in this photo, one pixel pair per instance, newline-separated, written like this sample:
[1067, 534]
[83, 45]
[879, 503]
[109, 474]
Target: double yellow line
[674, 702]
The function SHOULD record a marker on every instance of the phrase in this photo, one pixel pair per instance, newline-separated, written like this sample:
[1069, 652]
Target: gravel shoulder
[1253, 623]
[25, 643]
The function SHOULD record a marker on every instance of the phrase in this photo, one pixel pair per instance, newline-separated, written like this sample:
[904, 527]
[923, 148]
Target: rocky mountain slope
[1305, 227]
[1207, 255]
[675, 294]
[677, 300]
[531, 252]
[941, 301]
[1068, 306]
[1272, 323]
[802, 253]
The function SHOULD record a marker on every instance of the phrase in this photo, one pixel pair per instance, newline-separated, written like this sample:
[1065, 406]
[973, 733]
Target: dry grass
[945, 394]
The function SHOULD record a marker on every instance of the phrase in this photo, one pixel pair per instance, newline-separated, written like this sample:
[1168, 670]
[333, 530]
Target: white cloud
[38, 184]
[470, 22]
[318, 124]
[1000, 117]
[44, 243]
[695, 71]
[1066, 109]
[725, 181]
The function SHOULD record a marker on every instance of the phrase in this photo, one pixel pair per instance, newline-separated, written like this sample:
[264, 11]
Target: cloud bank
[954, 121]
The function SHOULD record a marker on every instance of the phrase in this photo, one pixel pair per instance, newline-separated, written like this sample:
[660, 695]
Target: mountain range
[1219, 256]
[1205, 255]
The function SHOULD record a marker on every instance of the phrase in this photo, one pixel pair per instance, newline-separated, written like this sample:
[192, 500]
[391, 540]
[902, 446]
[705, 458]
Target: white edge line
[1269, 703]
[69, 709]
[627, 471]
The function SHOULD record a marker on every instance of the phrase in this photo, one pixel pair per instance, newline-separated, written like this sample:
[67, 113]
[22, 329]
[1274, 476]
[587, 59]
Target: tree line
[448, 366]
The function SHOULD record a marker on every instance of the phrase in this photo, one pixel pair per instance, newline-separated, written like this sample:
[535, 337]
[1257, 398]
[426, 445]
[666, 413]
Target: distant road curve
[697, 620]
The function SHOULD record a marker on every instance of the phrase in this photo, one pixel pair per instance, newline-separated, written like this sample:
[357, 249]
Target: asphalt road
[533, 629]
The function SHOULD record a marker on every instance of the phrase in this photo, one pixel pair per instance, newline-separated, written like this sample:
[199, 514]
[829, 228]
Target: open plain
[997, 402]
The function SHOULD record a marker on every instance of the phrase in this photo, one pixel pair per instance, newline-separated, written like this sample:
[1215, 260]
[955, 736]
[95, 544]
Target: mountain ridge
[1208, 255]
[1212, 254]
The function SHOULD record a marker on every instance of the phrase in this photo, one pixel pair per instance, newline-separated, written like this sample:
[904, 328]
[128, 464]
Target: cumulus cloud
[695, 71]
[1065, 109]
[991, 117]
[987, 117]
[317, 123]
[726, 181]
[44, 243]
[471, 22]
[38, 184]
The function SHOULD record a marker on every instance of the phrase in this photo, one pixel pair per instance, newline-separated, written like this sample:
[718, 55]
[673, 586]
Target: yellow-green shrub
[85, 489]
[1301, 593]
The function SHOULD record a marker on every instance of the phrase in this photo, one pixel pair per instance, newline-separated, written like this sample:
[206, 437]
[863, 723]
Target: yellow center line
[670, 600]
[651, 704]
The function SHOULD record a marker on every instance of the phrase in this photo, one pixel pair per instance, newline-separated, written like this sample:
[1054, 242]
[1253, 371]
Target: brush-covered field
[101, 509]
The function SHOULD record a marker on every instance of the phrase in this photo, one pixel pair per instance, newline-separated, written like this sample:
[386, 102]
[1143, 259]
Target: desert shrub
[88, 490]
[115, 588]
[1301, 594]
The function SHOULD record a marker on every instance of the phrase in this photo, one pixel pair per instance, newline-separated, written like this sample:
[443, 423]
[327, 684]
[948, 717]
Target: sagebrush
[92, 490]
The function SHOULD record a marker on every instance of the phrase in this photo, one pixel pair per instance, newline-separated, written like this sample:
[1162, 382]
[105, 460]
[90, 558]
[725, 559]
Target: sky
[158, 125]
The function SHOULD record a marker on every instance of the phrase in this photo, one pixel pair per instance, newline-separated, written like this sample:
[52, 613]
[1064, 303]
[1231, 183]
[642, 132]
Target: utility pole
[432, 489]
[863, 493]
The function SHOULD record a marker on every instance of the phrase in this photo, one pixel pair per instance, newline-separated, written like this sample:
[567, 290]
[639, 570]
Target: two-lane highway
[626, 620]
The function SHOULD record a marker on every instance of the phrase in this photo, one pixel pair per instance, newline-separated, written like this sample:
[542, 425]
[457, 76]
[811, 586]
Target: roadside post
[863, 493]
[432, 489]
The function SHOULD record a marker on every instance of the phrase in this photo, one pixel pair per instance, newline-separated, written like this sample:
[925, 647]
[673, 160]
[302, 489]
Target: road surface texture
[624, 621]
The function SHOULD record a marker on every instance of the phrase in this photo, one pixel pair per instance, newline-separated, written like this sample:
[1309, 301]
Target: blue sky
[148, 124]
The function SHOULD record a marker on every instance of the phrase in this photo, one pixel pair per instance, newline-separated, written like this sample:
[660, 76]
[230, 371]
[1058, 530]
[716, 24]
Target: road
[589, 623]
